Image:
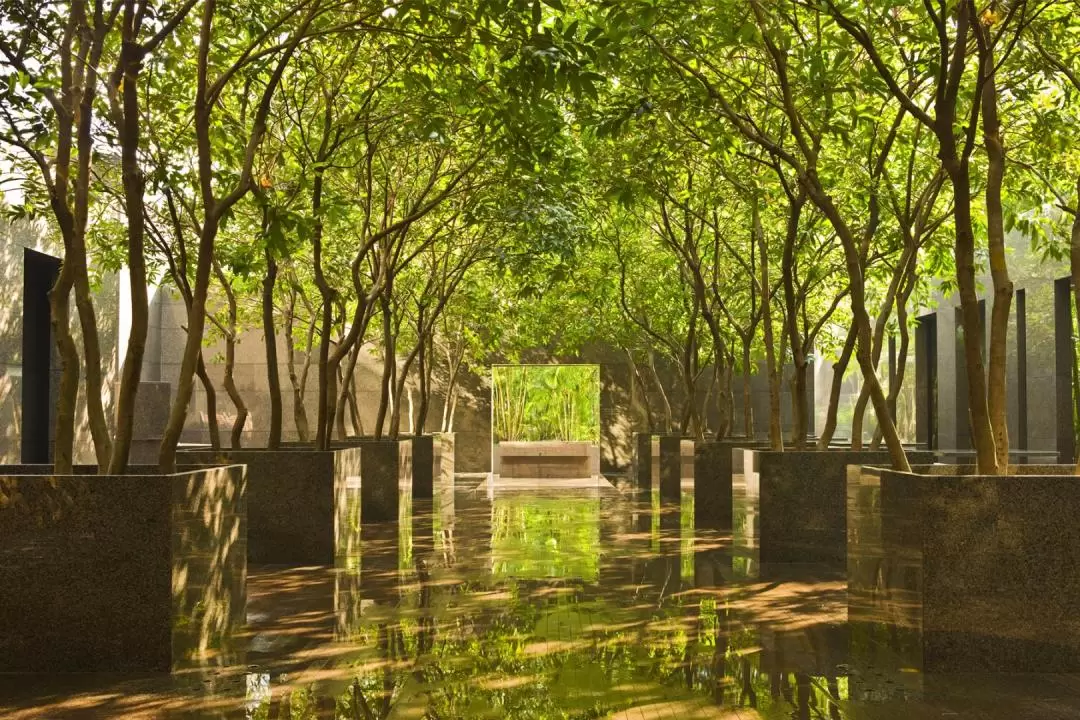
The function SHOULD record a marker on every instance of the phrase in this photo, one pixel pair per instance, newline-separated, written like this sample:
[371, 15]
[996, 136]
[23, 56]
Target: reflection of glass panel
[542, 537]
[545, 402]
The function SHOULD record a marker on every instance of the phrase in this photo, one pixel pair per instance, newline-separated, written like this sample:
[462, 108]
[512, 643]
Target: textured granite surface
[424, 470]
[993, 562]
[385, 476]
[555, 459]
[119, 573]
[713, 466]
[296, 501]
[445, 459]
[670, 472]
[641, 467]
[802, 497]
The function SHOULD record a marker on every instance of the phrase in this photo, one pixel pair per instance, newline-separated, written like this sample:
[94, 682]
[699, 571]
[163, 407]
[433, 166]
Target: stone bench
[546, 460]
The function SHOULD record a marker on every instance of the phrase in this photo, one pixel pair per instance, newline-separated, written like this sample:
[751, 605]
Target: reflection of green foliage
[546, 402]
[535, 537]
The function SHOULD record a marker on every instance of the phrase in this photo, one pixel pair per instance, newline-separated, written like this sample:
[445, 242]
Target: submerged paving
[580, 603]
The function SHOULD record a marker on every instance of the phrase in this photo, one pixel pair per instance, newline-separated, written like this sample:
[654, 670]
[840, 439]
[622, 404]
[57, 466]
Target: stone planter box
[298, 502]
[801, 498]
[715, 464]
[990, 564]
[387, 472]
[445, 460]
[548, 459]
[137, 572]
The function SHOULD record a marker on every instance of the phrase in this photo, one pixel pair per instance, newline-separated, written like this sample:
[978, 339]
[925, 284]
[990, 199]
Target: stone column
[670, 467]
[712, 484]
[641, 469]
[423, 478]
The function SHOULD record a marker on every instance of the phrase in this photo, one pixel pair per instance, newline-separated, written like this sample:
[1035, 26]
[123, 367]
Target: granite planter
[715, 462]
[386, 474]
[990, 564]
[802, 501]
[136, 572]
[298, 502]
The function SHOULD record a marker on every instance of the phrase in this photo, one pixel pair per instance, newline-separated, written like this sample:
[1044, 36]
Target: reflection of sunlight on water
[545, 537]
[257, 693]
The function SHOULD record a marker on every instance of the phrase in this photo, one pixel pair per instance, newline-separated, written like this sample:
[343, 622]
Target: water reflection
[582, 605]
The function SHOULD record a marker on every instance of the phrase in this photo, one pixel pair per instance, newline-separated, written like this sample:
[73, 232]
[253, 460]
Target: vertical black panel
[38, 389]
[1064, 369]
[926, 381]
[1021, 370]
[892, 376]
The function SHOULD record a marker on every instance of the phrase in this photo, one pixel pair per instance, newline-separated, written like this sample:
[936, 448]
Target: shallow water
[577, 603]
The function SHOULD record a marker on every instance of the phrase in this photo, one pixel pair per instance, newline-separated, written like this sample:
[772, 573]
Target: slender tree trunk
[389, 363]
[344, 391]
[1074, 266]
[776, 436]
[326, 293]
[791, 316]
[997, 385]
[133, 182]
[423, 369]
[64, 430]
[229, 383]
[864, 342]
[211, 403]
[273, 378]
[668, 417]
[747, 391]
[185, 384]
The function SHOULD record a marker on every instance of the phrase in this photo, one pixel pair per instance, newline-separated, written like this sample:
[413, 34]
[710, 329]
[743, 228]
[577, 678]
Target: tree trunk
[1074, 266]
[273, 378]
[344, 391]
[211, 403]
[997, 383]
[776, 436]
[133, 182]
[791, 316]
[839, 369]
[196, 321]
[229, 383]
[972, 322]
[389, 363]
[668, 417]
[64, 430]
[747, 391]
[864, 343]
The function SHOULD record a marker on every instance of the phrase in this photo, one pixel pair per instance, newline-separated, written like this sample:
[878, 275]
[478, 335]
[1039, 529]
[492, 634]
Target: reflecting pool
[581, 603]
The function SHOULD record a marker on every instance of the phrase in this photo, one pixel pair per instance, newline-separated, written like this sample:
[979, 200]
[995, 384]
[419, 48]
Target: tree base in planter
[801, 498]
[138, 572]
[301, 502]
[988, 567]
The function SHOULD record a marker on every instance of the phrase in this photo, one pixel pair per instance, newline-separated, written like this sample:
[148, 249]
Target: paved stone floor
[574, 604]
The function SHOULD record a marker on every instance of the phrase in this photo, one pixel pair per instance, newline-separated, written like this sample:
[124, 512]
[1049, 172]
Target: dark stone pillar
[926, 381]
[1021, 441]
[641, 470]
[670, 467]
[1064, 362]
[712, 484]
[39, 383]
[385, 470]
[423, 455]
